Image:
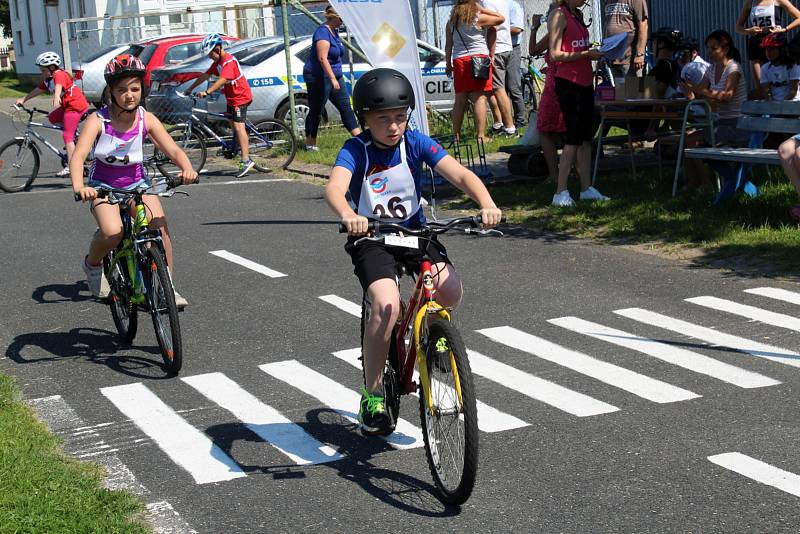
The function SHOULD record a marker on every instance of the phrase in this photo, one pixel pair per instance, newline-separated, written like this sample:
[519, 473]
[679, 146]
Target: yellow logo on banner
[388, 40]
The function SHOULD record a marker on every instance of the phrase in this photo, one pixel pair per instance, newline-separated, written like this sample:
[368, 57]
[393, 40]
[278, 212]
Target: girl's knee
[786, 150]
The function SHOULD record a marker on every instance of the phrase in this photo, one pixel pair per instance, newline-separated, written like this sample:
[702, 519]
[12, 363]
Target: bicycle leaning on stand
[20, 157]
[424, 337]
[272, 143]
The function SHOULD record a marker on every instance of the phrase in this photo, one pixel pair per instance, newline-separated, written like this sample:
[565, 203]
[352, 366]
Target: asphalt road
[592, 436]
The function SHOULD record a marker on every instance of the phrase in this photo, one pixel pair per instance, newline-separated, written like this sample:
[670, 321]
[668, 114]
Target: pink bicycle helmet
[122, 66]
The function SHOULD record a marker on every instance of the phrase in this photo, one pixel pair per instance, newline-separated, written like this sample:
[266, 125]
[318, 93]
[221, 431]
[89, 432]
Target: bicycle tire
[391, 372]
[191, 142]
[123, 311]
[161, 300]
[16, 176]
[453, 488]
[273, 147]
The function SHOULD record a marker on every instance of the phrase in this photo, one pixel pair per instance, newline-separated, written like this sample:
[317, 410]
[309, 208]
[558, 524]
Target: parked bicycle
[532, 84]
[272, 143]
[137, 272]
[425, 337]
[20, 157]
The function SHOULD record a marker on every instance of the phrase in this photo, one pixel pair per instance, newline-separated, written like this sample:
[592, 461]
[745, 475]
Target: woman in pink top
[569, 50]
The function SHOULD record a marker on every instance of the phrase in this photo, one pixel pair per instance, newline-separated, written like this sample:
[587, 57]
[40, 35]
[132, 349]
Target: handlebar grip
[371, 227]
[77, 197]
[342, 228]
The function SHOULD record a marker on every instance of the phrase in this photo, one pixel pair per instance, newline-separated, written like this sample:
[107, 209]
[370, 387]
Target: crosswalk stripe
[709, 335]
[184, 444]
[244, 262]
[625, 379]
[343, 304]
[263, 420]
[338, 397]
[537, 388]
[687, 359]
[776, 293]
[750, 312]
[759, 471]
[489, 419]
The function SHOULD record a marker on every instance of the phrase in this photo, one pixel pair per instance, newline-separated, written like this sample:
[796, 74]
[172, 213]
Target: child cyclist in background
[116, 136]
[385, 162]
[68, 100]
[237, 93]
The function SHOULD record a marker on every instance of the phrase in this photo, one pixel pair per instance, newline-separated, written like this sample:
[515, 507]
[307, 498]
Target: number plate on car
[404, 241]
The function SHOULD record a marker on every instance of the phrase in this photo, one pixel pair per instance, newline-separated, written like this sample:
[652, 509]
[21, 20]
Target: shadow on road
[93, 344]
[399, 490]
[77, 292]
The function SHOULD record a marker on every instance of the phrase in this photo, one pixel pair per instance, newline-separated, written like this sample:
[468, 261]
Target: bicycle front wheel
[272, 145]
[164, 312]
[19, 165]
[191, 143]
[450, 422]
[123, 311]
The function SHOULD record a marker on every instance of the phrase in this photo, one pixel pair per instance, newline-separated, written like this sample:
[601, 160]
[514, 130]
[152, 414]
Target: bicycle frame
[196, 122]
[30, 132]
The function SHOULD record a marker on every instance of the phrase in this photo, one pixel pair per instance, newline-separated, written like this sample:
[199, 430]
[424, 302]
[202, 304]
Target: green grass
[744, 234]
[11, 87]
[43, 490]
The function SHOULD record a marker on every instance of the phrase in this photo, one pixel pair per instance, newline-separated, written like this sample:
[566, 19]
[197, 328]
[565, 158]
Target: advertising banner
[385, 31]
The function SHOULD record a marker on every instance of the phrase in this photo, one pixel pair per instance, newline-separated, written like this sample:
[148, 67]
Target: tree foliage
[5, 18]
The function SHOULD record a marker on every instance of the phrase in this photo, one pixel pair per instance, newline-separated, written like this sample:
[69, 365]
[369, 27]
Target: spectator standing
[513, 73]
[569, 48]
[470, 33]
[324, 81]
[630, 16]
[759, 18]
[549, 119]
[501, 104]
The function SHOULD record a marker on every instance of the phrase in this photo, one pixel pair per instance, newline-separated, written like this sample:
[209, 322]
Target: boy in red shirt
[68, 100]
[237, 92]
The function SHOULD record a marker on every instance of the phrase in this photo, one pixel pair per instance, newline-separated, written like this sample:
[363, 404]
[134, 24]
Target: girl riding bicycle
[116, 136]
[68, 99]
[381, 169]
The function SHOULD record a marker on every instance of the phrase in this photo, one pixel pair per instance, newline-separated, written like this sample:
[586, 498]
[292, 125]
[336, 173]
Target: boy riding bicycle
[382, 169]
[237, 93]
[115, 135]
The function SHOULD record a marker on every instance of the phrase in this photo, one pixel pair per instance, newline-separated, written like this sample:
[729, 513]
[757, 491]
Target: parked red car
[156, 53]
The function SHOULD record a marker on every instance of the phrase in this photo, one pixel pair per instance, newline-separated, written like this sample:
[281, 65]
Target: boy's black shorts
[238, 113]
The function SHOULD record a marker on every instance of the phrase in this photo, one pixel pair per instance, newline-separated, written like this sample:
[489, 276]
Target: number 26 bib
[389, 194]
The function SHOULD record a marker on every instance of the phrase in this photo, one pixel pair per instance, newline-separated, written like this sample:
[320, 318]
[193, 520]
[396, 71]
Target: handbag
[480, 64]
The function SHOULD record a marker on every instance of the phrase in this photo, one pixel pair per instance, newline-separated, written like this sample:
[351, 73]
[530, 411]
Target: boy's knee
[786, 150]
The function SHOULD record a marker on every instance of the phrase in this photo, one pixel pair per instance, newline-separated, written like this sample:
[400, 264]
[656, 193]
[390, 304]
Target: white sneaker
[593, 194]
[94, 278]
[563, 199]
[63, 172]
[312, 148]
[180, 302]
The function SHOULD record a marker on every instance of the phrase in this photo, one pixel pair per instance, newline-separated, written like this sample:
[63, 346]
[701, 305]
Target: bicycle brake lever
[482, 232]
[367, 238]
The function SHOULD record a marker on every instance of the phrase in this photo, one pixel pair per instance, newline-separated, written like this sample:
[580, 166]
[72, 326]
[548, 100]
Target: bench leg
[599, 149]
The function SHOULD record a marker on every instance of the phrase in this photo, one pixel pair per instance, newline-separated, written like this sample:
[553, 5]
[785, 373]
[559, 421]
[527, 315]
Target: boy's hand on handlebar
[19, 102]
[188, 177]
[356, 224]
[87, 193]
[490, 217]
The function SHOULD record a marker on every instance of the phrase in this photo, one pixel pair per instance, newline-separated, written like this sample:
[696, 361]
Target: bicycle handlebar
[21, 107]
[431, 228]
[103, 192]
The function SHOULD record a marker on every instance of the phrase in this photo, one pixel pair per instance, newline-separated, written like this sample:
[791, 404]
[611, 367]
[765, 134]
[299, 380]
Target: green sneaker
[245, 167]
[373, 416]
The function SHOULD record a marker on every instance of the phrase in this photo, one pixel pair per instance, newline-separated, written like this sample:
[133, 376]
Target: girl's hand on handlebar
[188, 177]
[355, 224]
[490, 217]
[87, 193]
[19, 102]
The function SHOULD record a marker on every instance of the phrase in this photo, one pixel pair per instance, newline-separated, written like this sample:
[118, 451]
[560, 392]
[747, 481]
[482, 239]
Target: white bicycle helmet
[211, 40]
[45, 59]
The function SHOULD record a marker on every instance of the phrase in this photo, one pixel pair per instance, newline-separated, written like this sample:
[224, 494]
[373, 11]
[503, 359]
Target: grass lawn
[43, 490]
[747, 234]
[10, 87]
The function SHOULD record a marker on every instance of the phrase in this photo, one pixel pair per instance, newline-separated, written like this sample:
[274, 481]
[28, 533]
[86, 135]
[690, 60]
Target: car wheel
[301, 109]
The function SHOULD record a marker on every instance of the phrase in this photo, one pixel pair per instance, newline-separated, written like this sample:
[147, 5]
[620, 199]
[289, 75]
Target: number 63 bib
[389, 194]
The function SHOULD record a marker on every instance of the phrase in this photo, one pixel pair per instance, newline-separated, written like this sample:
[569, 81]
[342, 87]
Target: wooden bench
[765, 116]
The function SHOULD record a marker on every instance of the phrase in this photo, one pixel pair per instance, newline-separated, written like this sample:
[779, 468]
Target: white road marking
[709, 335]
[263, 420]
[343, 304]
[537, 388]
[687, 359]
[244, 262]
[341, 399]
[183, 443]
[776, 293]
[489, 419]
[750, 312]
[625, 379]
[759, 471]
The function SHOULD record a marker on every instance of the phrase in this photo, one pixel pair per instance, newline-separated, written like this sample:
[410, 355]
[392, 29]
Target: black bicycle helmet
[689, 44]
[382, 89]
[669, 35]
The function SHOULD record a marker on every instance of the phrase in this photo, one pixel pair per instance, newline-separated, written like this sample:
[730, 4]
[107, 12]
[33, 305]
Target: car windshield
[260, 54]
[102, 52]
[143, 52]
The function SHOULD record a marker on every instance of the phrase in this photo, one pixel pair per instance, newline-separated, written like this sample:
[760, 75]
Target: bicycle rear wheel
[450, 427]
[164, 312]
[123, 311]
[19, 165]
[191, 142]
[272, 145]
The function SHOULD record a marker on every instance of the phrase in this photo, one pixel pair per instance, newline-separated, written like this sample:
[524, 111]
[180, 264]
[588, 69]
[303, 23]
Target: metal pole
[352, 75]
[289, 77]
[65, 51]
[435, 25]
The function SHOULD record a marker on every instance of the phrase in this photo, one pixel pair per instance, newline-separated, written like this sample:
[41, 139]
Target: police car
[264, 66]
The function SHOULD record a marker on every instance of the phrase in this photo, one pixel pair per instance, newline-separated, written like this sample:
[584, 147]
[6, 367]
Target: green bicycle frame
[127, 253]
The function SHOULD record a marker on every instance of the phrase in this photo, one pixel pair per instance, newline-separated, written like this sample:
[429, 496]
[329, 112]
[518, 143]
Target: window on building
[16, 9]
[30, 21]
[47, 27]
[70, 15]
[19, 49]
[82, 13]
